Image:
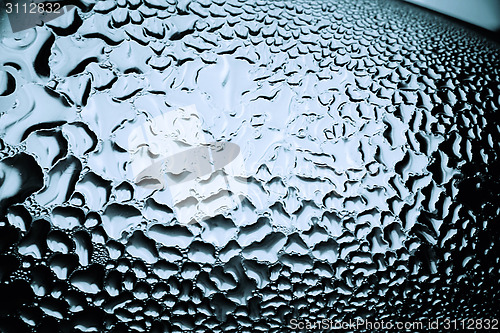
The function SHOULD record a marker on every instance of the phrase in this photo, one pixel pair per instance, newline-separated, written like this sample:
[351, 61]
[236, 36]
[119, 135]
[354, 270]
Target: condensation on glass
[210, 165]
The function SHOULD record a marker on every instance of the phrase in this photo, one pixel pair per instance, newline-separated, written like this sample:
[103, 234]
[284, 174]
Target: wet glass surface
[233, 165]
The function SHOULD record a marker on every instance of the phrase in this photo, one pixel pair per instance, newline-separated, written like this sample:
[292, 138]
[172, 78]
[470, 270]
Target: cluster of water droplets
[369, 133]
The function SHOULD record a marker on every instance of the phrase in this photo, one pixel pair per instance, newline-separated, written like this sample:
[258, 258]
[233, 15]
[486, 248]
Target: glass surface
[245, 166]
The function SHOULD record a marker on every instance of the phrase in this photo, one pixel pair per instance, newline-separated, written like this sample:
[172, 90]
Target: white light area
[171, 152]
[483, 13]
